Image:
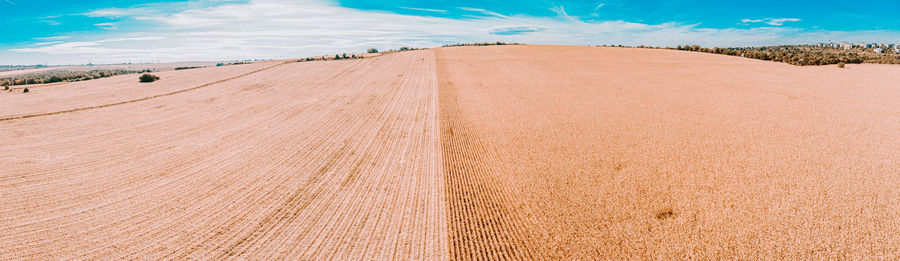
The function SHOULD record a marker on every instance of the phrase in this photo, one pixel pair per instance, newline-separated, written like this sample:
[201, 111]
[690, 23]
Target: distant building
[846, 45]
[878, 50]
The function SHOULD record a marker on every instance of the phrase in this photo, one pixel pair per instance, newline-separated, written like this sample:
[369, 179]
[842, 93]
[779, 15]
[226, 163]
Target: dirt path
[309, 160]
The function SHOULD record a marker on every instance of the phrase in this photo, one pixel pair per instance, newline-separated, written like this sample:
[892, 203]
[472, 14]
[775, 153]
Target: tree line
[63, 76]
[801, 55]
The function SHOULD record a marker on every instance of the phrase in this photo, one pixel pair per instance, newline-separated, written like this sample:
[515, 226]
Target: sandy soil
[577, 152]
[305, 160]
[501, 152]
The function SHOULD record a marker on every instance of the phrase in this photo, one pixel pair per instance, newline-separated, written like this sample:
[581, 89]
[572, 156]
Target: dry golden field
[499, 152]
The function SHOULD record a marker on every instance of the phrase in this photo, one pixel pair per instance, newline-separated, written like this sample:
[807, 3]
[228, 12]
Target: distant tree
[372, 50]
[25, 90]
[148, 78]
[337, 56]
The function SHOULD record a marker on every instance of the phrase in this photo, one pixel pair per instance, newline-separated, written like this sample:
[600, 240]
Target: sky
[116, 31]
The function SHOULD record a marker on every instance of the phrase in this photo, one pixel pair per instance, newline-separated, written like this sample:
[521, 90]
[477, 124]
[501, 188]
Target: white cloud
[292, 29]
[87, 47]
[770, 21]
[112, 12]
[107, 26]
[483, 11]
[424, 9]
[46, 43]
[52, 38]
[561, 12]
[125, 39]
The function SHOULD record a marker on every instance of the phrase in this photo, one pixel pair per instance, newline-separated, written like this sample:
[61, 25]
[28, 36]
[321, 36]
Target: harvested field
[309, 160]
[56, 97]
[578, 152]
[469, 153]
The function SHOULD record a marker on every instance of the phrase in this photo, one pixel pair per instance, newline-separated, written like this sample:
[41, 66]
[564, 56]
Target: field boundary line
[482, 223]
[137, 100]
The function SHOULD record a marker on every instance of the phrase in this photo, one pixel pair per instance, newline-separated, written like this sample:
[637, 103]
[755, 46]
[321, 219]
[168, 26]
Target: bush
[842, 65]
[149, 77]
[25, 90]
[372, 50]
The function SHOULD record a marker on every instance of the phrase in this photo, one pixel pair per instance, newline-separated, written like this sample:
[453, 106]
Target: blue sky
[106, 31]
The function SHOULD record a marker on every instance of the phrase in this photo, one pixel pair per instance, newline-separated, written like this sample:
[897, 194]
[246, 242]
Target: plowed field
[309, 160]
[502, 152]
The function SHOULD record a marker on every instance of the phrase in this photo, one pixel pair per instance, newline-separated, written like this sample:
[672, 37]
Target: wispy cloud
[52, 38]
[112, 12]
[424, 9]
[293, 28]
[561, 12]
[107, 26]
[46, 43]
[483, 11]
[89, 47]
[770, 21]
[514, 29]
[10, 2]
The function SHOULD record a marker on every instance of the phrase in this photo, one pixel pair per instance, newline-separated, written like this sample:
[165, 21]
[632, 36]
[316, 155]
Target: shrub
[842, 65]
[25, 90]
[372, 50]
[149, 77]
